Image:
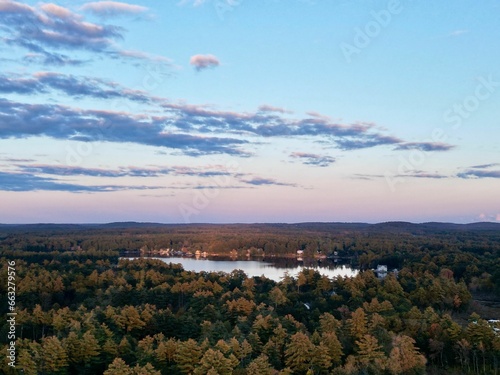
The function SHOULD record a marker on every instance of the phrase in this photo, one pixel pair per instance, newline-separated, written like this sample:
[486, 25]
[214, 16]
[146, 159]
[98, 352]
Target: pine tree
[277, 297]
[147, 369]
[370, 355]
[333, 345]
[358, 324]
[165, 352]
[26, 362]
[82, 349]
[118, 367]
[54, 356]
[260, 366]
[187, 356]
[321, 359]
[328, 323]
[215, 359]
[404, 357]
[299, 352]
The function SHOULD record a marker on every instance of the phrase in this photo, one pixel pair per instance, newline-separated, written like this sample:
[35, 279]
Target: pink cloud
[59, 11]
[113, 8]
[201, 62]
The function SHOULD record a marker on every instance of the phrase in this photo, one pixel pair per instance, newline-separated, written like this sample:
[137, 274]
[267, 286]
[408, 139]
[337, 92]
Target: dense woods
[83, 310]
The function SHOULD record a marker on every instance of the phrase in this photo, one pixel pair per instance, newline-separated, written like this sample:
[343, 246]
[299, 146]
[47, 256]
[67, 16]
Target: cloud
[479, 173]
[200, 62]
[113, 8]
[65, 170]
[313, 159]
[366, 141]
[269, 124]
[368, 177]
[51, 58]
[20, 120]
[414, 174]
[420, 174]
[49, 27]
[456, 33]
[54, 26]
[62, 170]
[258, 181]
[19, 182]
[43, 82]
[270, 108]
[196, 3]
[195, 129]
[17, 160]
[484, 166]
[425, 146]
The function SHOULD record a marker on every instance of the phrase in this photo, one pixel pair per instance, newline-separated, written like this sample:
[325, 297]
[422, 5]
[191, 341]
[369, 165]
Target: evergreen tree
[299, 352]
[187, 356]
[405, 358]
[260, 366]
[118, 367]
[54, 356]
[216, 361]
[369, 354]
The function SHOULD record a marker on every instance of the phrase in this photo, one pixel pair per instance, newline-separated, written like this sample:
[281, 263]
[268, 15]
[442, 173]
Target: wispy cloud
[46, 29]
[65, 170]
[313, 159]
[479, 173]
[258, 181]
[28, 182]
[194, 129]
[425, 146]
[113, 8]
[484, 166]
[43, 82]
[201, 62]
[413, 174]
[421, 174]
[270, 108]
[366, 140]
[195, 3]
[20, 120]
[456, 33]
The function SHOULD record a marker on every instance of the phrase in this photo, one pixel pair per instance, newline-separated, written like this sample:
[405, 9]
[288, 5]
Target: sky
[239, 111]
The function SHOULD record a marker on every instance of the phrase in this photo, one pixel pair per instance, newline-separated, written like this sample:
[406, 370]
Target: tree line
[83, 310]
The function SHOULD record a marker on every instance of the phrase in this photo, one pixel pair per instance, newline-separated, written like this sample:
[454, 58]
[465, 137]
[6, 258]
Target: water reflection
[274, 268]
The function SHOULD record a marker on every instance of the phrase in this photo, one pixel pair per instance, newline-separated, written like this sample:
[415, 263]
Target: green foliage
[82, 310]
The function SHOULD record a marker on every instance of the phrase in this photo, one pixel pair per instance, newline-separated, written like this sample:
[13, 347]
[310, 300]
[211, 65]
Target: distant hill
[389, 227]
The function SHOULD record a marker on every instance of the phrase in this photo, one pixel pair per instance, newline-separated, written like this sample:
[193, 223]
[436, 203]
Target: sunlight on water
[256, 268]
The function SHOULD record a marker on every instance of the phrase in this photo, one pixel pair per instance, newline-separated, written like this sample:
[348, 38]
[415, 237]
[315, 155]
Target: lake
[274, 268]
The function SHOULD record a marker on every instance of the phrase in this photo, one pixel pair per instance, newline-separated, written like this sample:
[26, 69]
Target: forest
[84, 309]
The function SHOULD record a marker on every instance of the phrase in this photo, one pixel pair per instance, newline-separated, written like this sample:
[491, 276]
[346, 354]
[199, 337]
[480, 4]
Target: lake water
[274, 269]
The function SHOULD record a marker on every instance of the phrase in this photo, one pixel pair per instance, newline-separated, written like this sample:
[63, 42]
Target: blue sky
[237, 111]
